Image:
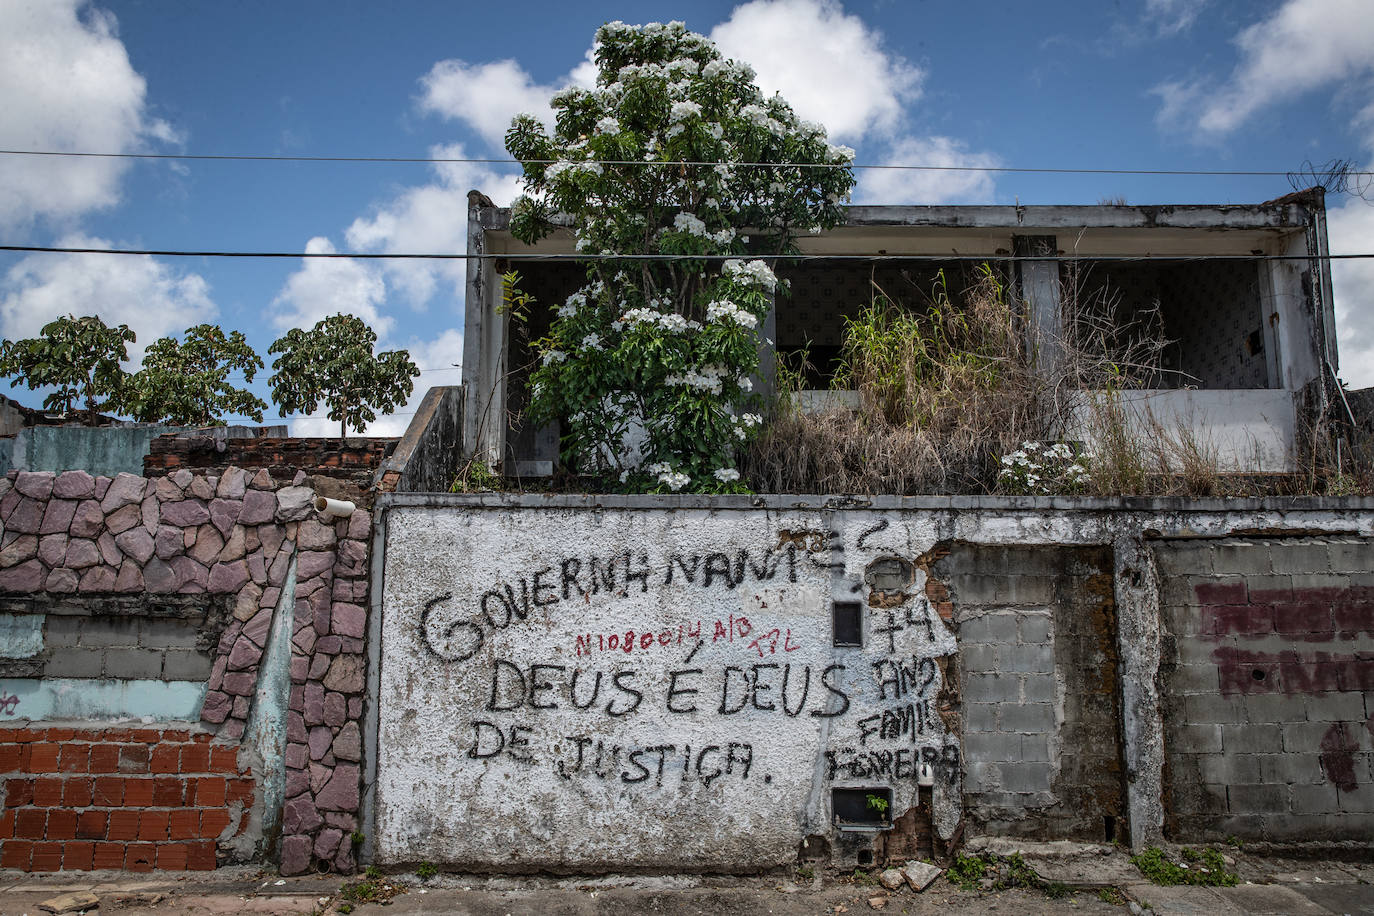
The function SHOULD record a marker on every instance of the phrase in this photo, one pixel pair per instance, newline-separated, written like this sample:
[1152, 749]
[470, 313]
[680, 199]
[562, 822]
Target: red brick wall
[349, 459]
[130, 798]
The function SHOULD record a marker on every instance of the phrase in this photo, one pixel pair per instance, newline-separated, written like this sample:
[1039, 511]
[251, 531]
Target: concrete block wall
[1269, 688]
[128, 798]
[1037, 631]
[121, 570]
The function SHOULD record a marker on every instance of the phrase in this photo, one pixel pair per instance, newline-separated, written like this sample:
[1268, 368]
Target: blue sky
[1135, 84]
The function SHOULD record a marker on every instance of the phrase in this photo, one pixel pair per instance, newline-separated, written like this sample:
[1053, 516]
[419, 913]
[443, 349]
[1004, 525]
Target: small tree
[186, 382]
[333, 362]
[79, 356]
[648, 366]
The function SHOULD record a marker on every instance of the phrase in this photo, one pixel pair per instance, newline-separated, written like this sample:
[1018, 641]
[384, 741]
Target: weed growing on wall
[649, 367]
[1204, 867]
[1039, 468]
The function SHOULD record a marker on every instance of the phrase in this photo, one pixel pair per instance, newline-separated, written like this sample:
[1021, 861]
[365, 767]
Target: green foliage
[805, 872]
[426, 871]
[186, 382]
[333, 362]
[877, 803]
[373, 872]
[357, 837]
[79, 356]
[475, 476]
[647, 367]
[1112, 895]
[966, 871]
[1203, 867]
[345, 908]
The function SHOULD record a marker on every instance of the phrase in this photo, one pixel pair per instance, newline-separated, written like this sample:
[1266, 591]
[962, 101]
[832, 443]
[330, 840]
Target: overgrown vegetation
[1204, 867]
[994, 873]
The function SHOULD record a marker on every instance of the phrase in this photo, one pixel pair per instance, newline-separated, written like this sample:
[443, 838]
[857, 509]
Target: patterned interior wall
[1209, 311]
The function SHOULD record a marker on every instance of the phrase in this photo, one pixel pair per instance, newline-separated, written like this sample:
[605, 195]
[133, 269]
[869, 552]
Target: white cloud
[1303, 45]
[1350, 229]
[911, 186]
[140, 291]
[439, 356]
[67, 84]
[430, 219]
[486, 96]
[829, 65]
[326, 286]
[1170, 17]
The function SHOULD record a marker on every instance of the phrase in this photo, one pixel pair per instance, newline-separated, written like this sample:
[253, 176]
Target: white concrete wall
[724, 714]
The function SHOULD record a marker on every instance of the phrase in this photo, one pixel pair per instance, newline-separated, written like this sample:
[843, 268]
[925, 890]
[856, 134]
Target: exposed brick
[104, 758]
[76, 793]
[239, 791]
[140, 857]
[109, 791]
[61, 733]
[78, 856]
[18, 792]
[133, 758]
[210, 792]
[166, 758]
[109, 855]
[75, 758]
[123, 825]
[62, 824]
[90, 825]
[183, 824]
[10, 757]
[16, 854]
[224, 759]
[46, 857]
[6, 825]
[195, 758]
[200, 856]
[47, 791]
[42, 758]
[213, 821]
[168, 791]
[146, 735]
[138, 793]
[152, 826]
[172, 856]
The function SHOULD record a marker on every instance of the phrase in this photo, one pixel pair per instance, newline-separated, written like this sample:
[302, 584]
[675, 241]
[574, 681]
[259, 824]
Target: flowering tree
[662, 169]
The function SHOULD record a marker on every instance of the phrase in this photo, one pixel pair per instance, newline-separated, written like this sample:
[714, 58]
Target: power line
[573, 258]
[478, 160]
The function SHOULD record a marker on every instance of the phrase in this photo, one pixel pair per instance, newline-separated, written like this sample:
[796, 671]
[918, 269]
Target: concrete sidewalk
[1268, 886]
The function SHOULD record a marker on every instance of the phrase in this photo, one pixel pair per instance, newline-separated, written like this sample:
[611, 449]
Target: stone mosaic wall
[234, 536]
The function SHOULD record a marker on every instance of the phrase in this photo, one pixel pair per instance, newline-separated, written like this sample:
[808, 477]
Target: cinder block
[992, 747]
[185, 665]
[1360, 800]
[1026, 777]
[975, 588]
[74, 663]
[1335, 707]
[1231, 769]
[978, 657]
[133, 663]
[1275, 708]
[1241, 558]
[61, 632]
[1320, 798]
[1002, 627]
[1032, 659]
[1297, 557]
[1292, 769]
[980, 717]
[1035, 748]
[1350, 556]
[981, 777]
[1196, 739]
[1193, 679]
[1039, 688]
[1203, 708]
[157, 633]
[1030, 718]
[973, 629]
[109, 631]
[1194, 651]
[1319, 581]
[1184, 558]
[1026, 590]
[1257, 799]
[1304, 737]
[991, 688]
[1035, 628]
[1251, 738]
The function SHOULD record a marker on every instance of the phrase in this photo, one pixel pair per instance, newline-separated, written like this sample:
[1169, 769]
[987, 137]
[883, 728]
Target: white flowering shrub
[653, 162]
[1037, 469]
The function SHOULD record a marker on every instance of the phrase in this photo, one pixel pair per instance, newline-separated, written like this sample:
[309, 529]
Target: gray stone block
[1275, 708]
[69, 662]
[1035, 628]
[1031, 718]
[1359, 800]
[981, 777]
[133, 663]
[1311, 557]
[1257, 799]
[1251, 738]
[1230, 769]
[991, 688]
[1032, 659]
[1187, 679]
[1196, 739]
[1001, 627]
[1035, 748]
[1026, 590]
[1304, 737]
[1184, 558]
[1026, 777]
[185, 665]
[1291, 769]
[1241, 558]
[992, 747]
[1322, 580]
[1351, 556]
[1335, 707]
[1203, 708]
[1320, 798]
[109, 631]
[975, 588]
[978, 658]
[157, 633]
[980, 717]
[61, 632]
[1039, 688]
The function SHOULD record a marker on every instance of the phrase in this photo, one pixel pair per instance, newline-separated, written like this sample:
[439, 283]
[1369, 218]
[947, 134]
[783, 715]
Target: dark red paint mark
[1291, 672]
[1338, 756]
[1306, 614]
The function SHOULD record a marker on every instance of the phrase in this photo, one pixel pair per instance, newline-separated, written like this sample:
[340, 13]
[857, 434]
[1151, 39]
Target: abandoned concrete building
[310, 653]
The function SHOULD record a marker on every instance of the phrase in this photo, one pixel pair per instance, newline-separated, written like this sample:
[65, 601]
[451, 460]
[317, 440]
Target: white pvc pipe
[334, 508]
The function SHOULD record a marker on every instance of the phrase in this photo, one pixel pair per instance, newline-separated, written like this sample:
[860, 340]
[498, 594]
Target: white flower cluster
[721, 309]
[681, 111]
[753, 273]
[760, 117]
[608, 125]
[670, 321]
[708, 379]
[842, 153]
[574, 302]
[673, 480]
[1037, 469]
[691, 224]
[725, 475]
[591, 342]
[554, 356]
